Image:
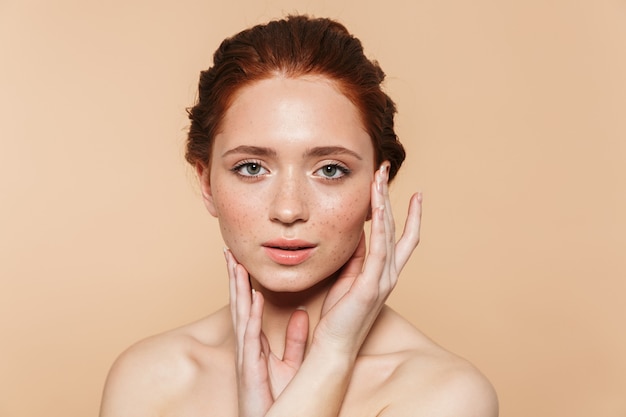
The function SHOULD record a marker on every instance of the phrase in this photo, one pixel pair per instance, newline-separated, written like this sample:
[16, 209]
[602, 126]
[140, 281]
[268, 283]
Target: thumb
[296, 338]
[354, 266]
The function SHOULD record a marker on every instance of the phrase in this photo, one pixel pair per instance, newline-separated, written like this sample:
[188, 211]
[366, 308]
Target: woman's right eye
[249, 169]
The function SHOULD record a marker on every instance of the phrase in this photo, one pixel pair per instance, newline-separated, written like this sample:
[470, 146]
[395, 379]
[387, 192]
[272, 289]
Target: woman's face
[289, 180]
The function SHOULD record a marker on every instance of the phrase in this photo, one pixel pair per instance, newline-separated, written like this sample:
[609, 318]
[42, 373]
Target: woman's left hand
[364, 283]
[350, 309]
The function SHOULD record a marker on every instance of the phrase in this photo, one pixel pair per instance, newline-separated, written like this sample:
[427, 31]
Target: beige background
[513, 116]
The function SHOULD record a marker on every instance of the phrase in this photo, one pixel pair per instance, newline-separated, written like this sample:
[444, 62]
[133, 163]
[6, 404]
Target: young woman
[293, 142]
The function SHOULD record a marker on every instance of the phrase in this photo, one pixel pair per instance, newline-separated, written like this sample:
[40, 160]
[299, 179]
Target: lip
[289, 251]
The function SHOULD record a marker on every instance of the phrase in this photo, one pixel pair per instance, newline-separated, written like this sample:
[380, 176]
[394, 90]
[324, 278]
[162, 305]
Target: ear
[203, 173]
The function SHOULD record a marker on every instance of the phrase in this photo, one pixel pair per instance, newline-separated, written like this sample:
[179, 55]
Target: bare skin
[191, 372]
[307, 332]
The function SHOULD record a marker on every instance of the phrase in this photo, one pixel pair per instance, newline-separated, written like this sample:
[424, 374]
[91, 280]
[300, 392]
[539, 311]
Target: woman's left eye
[333, 171]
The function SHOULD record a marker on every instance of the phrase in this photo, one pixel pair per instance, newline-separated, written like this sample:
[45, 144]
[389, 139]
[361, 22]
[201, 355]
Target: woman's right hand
[261, 375]
[318, 384]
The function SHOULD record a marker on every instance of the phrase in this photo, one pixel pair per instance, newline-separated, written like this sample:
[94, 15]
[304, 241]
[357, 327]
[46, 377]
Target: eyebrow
[252, 150]
[319, 151]
[331, 150]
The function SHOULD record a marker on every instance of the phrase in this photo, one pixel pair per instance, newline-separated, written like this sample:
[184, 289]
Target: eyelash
[237, 169]
[345, 171]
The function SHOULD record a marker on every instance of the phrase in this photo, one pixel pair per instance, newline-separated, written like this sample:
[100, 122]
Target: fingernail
[225, 249]
[303, 308]
[379, 179]
[419, 196]
[253, 295]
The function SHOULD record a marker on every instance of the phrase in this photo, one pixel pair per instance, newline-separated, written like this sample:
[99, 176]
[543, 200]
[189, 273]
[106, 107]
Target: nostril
[289, 211]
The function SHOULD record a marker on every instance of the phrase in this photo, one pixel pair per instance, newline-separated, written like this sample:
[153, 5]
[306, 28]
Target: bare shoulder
[157, 374]
[428, 380]
[441, 384]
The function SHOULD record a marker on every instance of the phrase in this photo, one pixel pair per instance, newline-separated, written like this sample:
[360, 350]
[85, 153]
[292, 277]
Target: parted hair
[292, 47]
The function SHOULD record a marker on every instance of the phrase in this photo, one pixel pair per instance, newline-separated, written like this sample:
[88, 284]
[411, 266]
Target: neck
[280, 305]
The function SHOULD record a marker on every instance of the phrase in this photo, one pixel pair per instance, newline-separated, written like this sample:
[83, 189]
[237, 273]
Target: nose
[289, 204]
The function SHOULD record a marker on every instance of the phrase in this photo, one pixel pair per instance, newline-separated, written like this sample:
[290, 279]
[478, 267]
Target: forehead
[291, 109]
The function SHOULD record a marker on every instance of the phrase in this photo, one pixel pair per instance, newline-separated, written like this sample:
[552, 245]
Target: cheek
[345, 217]
[347, 226]
[235, 216]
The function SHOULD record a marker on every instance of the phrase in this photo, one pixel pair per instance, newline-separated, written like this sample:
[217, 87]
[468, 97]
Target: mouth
[289, 252]
[289, 247]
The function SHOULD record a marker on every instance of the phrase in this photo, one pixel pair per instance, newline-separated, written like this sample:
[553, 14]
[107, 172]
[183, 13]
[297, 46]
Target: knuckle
[379, 253]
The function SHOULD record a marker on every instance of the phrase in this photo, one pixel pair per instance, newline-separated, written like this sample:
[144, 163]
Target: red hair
[292, 47]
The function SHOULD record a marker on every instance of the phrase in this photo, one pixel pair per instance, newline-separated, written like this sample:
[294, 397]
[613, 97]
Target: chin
[291, 283]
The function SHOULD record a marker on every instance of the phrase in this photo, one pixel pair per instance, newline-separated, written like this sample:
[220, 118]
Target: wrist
[335, 353]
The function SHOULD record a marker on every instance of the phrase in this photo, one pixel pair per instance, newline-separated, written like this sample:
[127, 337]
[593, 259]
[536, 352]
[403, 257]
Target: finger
[350, 271]
[296, 338]
[238, 324]
[244, 301]
[411, 233]
[354, 266]
[253, 374]
[232, 291]
[390, 227]
[243, 293]
[252, 348]
[252, 340]
[377, 255]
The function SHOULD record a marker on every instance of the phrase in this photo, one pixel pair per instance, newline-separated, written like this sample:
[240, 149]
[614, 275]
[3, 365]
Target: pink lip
[288, 252]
